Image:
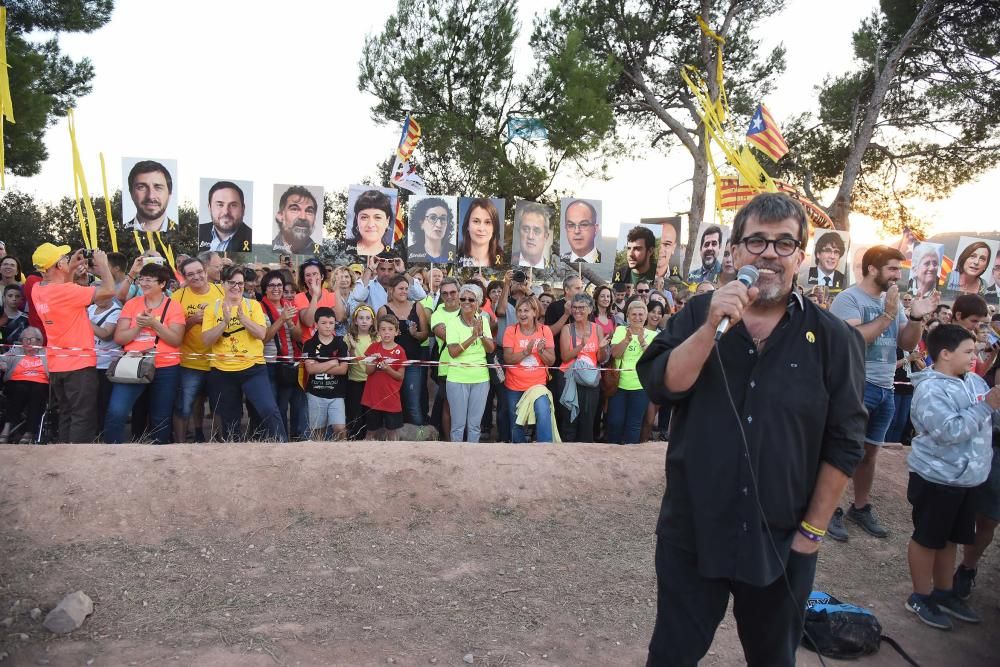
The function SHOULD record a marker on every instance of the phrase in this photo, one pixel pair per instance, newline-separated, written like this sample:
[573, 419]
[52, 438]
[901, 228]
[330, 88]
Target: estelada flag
[765, 135]
[400, 229]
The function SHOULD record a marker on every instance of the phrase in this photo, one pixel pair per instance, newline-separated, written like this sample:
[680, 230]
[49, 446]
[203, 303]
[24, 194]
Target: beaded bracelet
[812, 529]
[809, 536]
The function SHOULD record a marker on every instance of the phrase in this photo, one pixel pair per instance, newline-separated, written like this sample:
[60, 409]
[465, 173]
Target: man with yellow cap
[62, 306]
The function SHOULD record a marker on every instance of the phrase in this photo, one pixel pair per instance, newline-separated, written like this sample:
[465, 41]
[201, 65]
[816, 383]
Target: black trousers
[74, 395]
[690, 607]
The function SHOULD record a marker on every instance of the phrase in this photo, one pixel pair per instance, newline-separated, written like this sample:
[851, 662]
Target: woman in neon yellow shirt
[627, 407]
[469, 340]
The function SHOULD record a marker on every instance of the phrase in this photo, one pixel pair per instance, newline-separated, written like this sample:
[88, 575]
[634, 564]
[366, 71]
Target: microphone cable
[760, 508]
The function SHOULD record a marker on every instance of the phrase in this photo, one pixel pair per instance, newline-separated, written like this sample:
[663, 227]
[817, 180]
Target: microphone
[748, 276]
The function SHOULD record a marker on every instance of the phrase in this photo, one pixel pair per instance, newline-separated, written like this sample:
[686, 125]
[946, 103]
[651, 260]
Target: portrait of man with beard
[150, 206]
[712, 241]
[229, 211]
[298, 219]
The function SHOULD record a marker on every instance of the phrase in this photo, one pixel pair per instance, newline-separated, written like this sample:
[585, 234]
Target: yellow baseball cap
[356, 268]
[47, 254]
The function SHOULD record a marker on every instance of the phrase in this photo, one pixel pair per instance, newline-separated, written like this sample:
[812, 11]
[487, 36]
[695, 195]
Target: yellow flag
[6, 106]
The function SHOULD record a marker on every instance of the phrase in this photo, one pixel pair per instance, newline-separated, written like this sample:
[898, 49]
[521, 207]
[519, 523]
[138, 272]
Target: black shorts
[941, 513]
[986, 496]
[377, 419]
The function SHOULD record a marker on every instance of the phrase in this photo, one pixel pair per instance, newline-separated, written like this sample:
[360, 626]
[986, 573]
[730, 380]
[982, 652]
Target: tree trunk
[840, 209]
[696, 214]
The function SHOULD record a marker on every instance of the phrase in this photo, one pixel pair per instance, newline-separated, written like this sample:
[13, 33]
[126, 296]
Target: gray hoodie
[954, 424]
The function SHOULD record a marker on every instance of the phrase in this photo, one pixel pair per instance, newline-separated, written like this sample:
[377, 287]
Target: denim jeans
[414, 384]
[225, 392]
[900, 418]
[880, 406]
[294, 398]
[543, 417]
[162, 395]
[626, 411]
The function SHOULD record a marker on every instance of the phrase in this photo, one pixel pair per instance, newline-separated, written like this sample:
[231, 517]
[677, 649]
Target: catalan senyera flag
[409, 139]
[735, 193]
[400, 229]
[765, 135]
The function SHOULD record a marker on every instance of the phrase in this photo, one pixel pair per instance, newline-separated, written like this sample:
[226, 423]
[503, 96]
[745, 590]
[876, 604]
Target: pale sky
[268, 93]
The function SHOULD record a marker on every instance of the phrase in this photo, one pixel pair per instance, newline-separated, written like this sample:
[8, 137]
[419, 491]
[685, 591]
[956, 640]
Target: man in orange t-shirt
[62, 306]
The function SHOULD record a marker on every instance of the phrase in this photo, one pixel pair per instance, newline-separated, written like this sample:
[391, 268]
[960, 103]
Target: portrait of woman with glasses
[432, 230]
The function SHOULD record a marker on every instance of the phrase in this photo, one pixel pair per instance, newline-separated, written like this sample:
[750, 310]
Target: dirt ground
[376, 553]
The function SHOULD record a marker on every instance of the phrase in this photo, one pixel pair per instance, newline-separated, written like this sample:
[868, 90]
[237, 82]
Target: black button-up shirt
[800, 402]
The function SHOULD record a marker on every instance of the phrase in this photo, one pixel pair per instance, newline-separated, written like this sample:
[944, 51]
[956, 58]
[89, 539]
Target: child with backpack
[953, 412]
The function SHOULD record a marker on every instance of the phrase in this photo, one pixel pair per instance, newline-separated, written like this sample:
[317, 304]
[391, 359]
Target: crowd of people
[319, 351]
[141, 351]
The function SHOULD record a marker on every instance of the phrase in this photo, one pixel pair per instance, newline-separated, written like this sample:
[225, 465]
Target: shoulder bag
[139, 368]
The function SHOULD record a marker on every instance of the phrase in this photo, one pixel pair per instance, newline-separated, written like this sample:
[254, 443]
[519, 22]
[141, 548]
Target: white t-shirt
[107, 350]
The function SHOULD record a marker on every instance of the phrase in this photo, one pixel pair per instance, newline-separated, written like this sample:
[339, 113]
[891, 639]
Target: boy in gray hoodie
[953, 413]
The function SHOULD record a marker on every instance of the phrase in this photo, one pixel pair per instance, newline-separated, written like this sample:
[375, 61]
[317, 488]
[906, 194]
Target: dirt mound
[375, 553]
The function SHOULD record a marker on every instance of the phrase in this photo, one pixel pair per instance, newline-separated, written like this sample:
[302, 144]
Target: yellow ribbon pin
[810, 336]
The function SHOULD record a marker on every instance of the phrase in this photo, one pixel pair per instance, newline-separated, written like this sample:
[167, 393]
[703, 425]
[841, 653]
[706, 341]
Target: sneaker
[951, 605]
[835, 530]
[865, 518]
[963, 582]
[928, 612]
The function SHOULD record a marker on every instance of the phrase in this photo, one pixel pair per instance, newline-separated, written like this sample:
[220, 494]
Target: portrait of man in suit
[226, 231]
[581, 227]
[828, 253]
[532, 235]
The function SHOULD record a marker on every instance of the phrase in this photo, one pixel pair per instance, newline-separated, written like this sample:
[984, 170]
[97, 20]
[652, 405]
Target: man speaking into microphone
[767, 428]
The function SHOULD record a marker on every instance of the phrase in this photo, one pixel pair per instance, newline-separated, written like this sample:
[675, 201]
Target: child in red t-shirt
[384, 364]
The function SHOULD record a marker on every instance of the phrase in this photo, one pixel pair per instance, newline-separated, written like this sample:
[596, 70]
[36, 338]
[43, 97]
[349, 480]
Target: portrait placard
[481, 232]
[532, 242]
[431, 229]
[972, 272]
[371, 219]
[225, 215]
[580, 230]
[826, 261]
[707, 258]
[149, 195]
[298, 219]
[925, 268]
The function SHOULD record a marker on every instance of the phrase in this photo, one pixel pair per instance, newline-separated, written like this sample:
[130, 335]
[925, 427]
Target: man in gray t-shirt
[872, 306]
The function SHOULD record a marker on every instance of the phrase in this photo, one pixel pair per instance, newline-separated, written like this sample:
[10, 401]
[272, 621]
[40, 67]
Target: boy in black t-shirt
[327, 377]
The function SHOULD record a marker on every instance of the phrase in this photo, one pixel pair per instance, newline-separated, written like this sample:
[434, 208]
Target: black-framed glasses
[783, 247]
[642, 291]
[276, 286]
[467, 300]
[234, 283]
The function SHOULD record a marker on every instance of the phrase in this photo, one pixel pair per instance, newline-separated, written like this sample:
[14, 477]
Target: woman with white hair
[925, 268]
[469, 340]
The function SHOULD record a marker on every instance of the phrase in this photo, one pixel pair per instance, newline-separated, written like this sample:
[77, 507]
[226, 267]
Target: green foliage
[644, 43]
[44, 83]
[28, 223]
[939, 125]
[452, 64]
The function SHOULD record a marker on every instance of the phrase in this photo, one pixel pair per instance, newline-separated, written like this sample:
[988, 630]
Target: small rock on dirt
[35, 614]
[70, 613]
[468, 658]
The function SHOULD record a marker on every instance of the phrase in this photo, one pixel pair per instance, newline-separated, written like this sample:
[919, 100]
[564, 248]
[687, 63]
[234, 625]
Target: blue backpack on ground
[844, 631]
